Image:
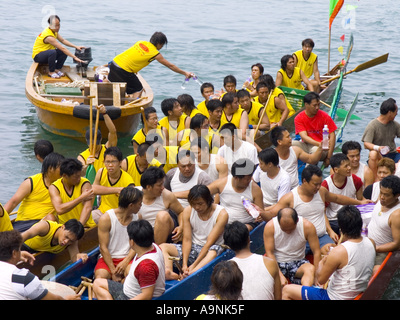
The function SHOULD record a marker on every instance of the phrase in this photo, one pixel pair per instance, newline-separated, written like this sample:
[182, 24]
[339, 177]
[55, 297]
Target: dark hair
[350, 221]
[228, 98]
[309, 171]
[197, 121]
[52, 161]
[269, 155]
[213, 104]
[185, 153]
[200, 191]
[52, 17]
[268, 81]
[206, 85]
[151, 176]
[70, 166]
[259, 66]
[158, 38]
[277, 134]
[147, 112]
[186, 101]
[129, 195]
[391, 182]
[228, 127]
[308, 42]
[153, 137]
[310, 97]
[242, 93]
[10, 241]
[141, 232]
[388, 105]
[76, 227]
[168, 105]
[142, 148]
[350, 145]
[229, 79]
[236, 236]
[115, 152]
[201, 142]
[242, 167]
[99, 137]
[226, 281]
[337, 159]
[42, 148]
[294, 214]
[284, 60]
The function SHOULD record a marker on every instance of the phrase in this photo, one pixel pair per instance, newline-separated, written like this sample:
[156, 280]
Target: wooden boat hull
[71, 120]
[47, 264]
[187, 289]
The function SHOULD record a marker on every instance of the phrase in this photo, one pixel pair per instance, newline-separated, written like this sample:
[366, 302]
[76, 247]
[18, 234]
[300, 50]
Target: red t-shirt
[313, 126]
[356, 180]
[147, 273]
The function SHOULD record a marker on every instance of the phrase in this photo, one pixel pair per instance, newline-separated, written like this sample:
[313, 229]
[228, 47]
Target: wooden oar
[91, 124]
[363, 66]
[144, 120]
[90, 170]
[341, 112]
[262, 115]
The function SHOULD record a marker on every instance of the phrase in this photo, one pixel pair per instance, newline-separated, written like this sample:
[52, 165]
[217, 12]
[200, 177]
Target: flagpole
[329, 50]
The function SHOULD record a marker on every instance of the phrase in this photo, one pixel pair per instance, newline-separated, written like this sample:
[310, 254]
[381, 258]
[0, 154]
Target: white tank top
[378, 228]
[348, 190]
[313, 211]
[258, 284]
[118, 245]
[352, 279]
[149, 211]
[376, 190]
[131, 284]
[212, 169]
[232, 202]
[177, 185]
[201, 229]
[360, 172]
[290, 166]
[289, 246]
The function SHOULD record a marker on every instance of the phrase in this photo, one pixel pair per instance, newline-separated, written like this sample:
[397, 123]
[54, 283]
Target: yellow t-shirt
[99, 161]
[5, 222]
[133, 169]
[39, 243]
[235, 118]
[140, 136]
[306, 65]
[39, 45]
[173, 131]
[136, 57]
[255, 112]
[75, 213]
[37, 204]
[110, 201]
[294, 81]
[203, 108]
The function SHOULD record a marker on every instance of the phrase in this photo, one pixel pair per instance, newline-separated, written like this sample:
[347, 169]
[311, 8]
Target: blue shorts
[314, 293]
[325, 239]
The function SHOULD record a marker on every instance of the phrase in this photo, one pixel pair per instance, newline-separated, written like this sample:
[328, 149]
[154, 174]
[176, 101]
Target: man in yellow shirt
[125, 65]
[291, 76]
[207, 91]
[307, 61]
[232, 113]
[48, 48]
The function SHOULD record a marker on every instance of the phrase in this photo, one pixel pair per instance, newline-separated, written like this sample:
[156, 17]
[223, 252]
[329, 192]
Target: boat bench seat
[103, 91]
[69, 91]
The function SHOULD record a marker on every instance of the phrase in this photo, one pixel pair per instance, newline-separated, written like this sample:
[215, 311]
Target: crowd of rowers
[180, 194]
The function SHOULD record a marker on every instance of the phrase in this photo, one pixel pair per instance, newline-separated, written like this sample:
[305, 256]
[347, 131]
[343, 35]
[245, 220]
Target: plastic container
[185, 83]
[250, 208]
[195, 78]
[385, 150]
[325, 138]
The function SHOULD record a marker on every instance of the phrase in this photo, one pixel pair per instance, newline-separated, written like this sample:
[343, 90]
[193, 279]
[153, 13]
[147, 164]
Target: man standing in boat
[307, 61]
[124, 66]
[48, 48]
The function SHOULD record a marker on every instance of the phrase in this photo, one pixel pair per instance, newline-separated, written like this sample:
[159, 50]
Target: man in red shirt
[309, 124]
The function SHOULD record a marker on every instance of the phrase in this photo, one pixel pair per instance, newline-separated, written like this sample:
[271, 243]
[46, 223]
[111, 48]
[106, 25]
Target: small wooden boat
[186, 289]
[63, 107]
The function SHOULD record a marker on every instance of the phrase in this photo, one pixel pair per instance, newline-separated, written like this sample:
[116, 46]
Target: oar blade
[372, 63]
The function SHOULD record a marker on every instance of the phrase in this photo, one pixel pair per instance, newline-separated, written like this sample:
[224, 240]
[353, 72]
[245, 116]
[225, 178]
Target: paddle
[341, 112]
[144, 120]
[90, 170]
[363, 66]
[262, 115]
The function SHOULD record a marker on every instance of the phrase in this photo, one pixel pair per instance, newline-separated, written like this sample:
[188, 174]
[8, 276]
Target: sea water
[211, 39]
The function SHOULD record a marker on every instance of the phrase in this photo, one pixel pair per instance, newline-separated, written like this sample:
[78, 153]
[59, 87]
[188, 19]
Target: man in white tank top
[352, 150]
[115, 252]
[180, 180]
[260, 274]
[232, 188]
[160, 207]
[146, 278]
[342, 181]
[308, 200]
[285, 238]
[348, 266]
[203, 226]
[289, 155]
[274, 181]
[213, 164]
[384, 227]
